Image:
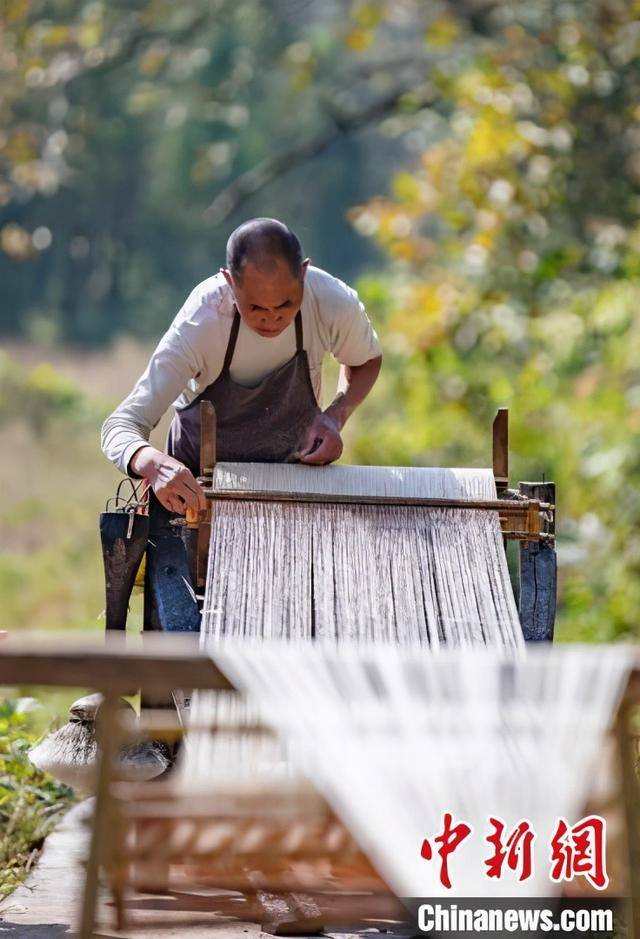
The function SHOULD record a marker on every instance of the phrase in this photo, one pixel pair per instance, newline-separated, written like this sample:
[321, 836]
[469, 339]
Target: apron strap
[299, 346]
[231, 345]
[233, 338]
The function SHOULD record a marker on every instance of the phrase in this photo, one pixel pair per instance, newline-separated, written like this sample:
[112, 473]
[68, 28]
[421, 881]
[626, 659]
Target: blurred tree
[133, 136]
[516, 247]
[109, 127]
[122, 123]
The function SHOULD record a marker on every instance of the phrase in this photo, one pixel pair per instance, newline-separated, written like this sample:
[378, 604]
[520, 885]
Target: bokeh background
[472, 167]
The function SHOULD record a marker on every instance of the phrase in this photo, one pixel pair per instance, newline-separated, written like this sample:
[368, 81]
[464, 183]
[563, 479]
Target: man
[251, 340]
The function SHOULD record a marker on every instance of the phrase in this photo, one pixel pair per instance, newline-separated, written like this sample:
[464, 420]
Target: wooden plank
[208, 434]
[538, 574]
[519, 518]
[504, 506]
[208, 456]
[190, 535]
[116, 664]
[501, 449]
[202, 551]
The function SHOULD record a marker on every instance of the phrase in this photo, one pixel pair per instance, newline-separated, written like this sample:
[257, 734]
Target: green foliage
[31, 802]
[510, 238]
[119, 127]
[516, 249]
[40, 394]
[54, 485]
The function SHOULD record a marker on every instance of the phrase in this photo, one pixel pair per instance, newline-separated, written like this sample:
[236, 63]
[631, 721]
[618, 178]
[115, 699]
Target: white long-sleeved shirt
[190, 355]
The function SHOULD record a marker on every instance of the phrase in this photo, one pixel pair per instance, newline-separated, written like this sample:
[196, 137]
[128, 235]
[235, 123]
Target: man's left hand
[322, 442]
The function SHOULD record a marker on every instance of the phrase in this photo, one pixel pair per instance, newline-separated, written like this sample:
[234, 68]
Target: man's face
[267, 301]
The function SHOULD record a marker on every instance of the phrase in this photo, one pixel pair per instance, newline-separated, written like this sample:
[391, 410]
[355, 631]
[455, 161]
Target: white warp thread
[391, 734]
[340, 479]
[395, 737]
[386, 573]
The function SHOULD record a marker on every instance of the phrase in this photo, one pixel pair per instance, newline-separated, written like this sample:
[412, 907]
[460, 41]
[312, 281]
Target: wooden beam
[538, 572]
[208, 456]
[115, 664]
[501, 449]
[509, 507]
[202, 551]
[520, 519]
[208, 435]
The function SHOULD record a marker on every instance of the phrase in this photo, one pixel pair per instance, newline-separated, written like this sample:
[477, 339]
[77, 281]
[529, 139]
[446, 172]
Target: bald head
[264, 243]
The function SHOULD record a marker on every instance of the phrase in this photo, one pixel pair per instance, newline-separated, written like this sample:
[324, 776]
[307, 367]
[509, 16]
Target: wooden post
[538, 573]
[170, 603]
[501, 449]
[208, 433]
[631, 798]
[100, 830]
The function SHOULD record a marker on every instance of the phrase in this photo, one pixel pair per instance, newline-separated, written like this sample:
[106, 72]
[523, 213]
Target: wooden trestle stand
[138, 823]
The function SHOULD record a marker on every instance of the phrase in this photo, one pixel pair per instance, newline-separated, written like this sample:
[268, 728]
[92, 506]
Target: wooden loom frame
[167, 662]
[527, 516]
[177, 557]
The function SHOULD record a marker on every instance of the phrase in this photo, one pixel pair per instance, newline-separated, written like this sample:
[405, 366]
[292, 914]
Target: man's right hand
[175, 486]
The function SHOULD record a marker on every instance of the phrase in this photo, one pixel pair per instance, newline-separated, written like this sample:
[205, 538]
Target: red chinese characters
[580, 851]
[516, 849]
[451, 837]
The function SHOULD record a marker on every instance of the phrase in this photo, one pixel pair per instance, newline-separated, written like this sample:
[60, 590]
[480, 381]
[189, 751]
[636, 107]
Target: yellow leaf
[359, 40]
[90, 34]
[491, 140]
[15, 10]
[367, 15]
[442, 32]
[403, 250]
[56, 36]
[405, 187]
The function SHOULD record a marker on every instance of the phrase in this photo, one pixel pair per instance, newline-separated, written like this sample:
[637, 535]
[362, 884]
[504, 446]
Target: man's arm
[125, 433]
[350, 337]
[323, 440]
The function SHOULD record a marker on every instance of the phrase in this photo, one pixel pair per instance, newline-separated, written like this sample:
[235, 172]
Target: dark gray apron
[265, 424]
